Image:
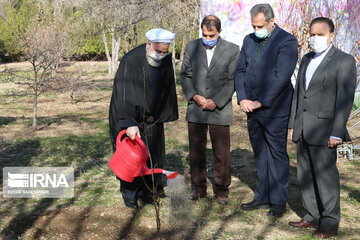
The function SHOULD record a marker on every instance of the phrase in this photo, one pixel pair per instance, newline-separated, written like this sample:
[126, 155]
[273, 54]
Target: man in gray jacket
[207, 78]
[321, 105]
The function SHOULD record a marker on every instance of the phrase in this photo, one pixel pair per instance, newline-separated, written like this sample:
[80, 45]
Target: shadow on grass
[352, 190]
[44, 122]
[225, 221]
[199, 222]
[173, 162]
[6, 120]
[18, 154]
[82, 153]
[355, 194]
[243, 167]
[128, 228]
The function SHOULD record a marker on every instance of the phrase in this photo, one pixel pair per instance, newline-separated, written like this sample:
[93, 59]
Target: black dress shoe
[277, 210]
[254, 205]
[147, 200]
[145, 196]
[160, 192]
[131, 204]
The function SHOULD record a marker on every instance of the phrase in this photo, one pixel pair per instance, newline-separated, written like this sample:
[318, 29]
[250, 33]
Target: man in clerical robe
[143, 98]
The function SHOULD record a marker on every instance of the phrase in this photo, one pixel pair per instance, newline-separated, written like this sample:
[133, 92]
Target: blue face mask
[262, 34]
[210, 43]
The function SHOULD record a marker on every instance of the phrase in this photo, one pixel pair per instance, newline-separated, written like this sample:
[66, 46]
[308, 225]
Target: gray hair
[265, 8]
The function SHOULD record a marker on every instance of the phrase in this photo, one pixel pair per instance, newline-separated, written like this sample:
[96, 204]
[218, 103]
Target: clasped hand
[205, 104]
[249, 106]
[332, 142]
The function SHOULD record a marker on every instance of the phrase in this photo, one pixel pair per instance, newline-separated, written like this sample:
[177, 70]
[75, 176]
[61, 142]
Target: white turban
[160, 35]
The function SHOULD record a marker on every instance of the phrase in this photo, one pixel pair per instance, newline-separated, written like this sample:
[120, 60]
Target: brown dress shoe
[195, 195]
[323, 232]
[223, 200]
[303, 224]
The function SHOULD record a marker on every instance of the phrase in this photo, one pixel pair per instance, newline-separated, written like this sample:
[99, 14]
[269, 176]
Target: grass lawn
[76, 135]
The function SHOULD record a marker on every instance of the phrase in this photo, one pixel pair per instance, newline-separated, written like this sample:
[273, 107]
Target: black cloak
[131, 100]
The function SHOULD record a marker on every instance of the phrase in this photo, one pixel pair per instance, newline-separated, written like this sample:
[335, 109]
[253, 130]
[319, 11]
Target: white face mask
[262, 34]
[157, 57]
[319, 43]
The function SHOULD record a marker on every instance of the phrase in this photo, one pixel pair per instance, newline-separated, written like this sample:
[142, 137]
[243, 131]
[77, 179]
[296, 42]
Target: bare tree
[74, 81]
[296, 16]
[115, 19]
[43, 48]
[181, 17]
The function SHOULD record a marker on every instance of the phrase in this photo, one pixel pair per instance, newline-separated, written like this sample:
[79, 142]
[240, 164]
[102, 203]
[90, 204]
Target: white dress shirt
[313, 65]
[210, 54]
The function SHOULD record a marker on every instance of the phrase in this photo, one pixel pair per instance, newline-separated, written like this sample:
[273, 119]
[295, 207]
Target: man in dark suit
[207, 78]
[322, 102]
[264, 91]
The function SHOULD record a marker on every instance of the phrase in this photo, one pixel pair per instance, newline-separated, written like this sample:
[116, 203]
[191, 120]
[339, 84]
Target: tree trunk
[108, 57]
[54, 70]
[135, 39]
[113, 52]
[72, 95]
[112, 58]
[174, 59]
[183, 45]
[116, 49]
[35, 124]
[126, 43]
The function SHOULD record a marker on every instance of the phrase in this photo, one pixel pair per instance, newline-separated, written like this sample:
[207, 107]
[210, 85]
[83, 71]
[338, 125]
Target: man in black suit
[321, 105]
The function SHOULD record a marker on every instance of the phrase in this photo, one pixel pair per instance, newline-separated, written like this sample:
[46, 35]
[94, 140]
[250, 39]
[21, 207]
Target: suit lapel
[267, 44]
[252, 52]
[303, 70]
[219, 50]
[202, 53]
[318, 74]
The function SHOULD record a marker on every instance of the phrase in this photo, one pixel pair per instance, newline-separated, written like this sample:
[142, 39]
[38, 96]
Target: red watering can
[129, 159]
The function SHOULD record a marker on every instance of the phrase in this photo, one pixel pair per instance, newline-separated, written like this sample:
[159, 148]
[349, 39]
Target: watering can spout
[129, 159]
[169, 174]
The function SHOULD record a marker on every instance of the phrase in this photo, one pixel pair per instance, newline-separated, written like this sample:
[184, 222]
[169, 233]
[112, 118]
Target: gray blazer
[215, 82]
[323, 109]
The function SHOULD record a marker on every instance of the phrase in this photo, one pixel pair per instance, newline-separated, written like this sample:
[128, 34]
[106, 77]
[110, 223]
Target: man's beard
[151, 61]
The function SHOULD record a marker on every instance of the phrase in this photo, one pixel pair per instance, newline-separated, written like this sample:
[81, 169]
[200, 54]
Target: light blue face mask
[210, 43]
[263, 33]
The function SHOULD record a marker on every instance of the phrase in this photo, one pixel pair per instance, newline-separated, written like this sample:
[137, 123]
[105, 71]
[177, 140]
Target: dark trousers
[268, 138]
[319, 183]
[220, 140]
[142, 186]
